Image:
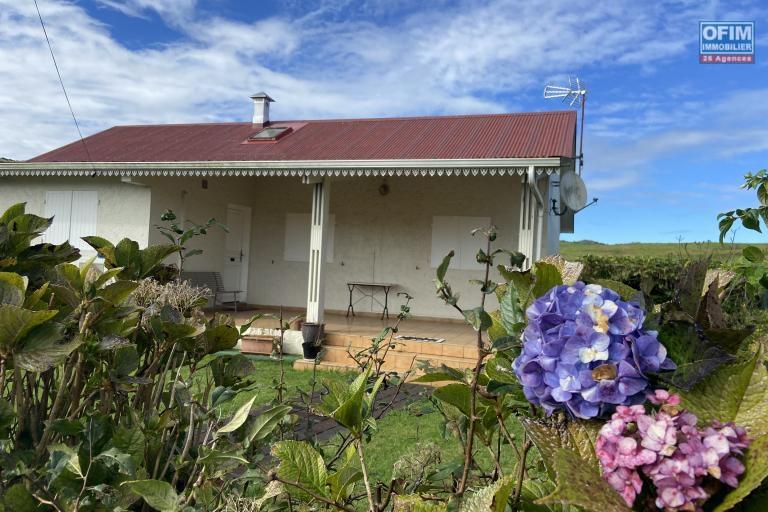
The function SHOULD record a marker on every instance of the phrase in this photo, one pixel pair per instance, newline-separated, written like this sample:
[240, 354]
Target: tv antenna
[576, 95]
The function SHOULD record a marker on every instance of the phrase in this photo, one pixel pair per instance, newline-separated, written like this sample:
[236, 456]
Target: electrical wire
[61, 81]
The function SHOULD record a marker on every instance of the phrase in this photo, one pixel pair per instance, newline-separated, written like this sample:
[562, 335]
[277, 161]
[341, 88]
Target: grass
[397, 432]
[572, 250]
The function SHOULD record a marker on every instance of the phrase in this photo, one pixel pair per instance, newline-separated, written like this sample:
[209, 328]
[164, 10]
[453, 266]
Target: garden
[600, 385]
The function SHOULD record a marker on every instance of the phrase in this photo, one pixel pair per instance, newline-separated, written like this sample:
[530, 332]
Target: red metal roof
[526, 135]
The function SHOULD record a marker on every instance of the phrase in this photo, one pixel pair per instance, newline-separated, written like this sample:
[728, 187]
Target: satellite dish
[573, 192]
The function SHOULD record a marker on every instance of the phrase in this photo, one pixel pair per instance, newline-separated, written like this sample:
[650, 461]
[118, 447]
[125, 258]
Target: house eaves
[419, 167]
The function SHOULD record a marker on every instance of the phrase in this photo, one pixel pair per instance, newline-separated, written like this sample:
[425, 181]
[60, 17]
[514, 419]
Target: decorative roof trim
[360, 168]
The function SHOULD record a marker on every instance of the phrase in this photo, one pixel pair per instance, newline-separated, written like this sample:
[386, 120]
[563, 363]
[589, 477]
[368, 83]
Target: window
[74, 216]
[272, 133]
[455, 234]
[297, 233]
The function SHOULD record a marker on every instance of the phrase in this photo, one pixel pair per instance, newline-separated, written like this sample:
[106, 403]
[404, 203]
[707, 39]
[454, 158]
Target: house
[314, 204]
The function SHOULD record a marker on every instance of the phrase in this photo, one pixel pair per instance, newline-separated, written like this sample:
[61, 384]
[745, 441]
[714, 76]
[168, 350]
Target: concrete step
[445, 348]
[397, 360]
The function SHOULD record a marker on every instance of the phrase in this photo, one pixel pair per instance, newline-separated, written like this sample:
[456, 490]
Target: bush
[656, 277]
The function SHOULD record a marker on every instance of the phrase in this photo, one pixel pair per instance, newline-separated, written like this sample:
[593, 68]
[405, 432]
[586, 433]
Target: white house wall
[123, 209]
[394, 230]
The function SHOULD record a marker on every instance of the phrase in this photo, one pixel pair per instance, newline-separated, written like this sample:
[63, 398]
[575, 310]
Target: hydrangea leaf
[547, 277]
[490, 499]
[580, 485]
[756, 470]
[157, 493]
[302, 464]
[695, 358]
[534, 490]
[626, 292]
[12, 288]
[550, 436]
[737, 392]
[512, 314]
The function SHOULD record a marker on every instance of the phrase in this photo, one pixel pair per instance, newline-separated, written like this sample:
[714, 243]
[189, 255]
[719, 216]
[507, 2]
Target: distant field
[571, 250]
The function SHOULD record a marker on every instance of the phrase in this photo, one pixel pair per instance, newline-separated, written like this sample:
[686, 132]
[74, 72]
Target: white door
[237, 246]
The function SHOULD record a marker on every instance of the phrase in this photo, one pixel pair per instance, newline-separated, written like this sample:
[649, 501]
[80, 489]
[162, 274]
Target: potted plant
[312, 334]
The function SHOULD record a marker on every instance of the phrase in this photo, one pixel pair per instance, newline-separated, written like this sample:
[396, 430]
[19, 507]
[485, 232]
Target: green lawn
[572, 250]
[398, 431]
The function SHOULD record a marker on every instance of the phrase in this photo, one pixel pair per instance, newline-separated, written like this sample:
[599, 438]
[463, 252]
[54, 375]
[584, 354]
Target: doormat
[420, 338]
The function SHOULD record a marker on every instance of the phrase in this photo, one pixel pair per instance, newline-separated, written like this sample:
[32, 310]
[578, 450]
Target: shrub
[656, 277]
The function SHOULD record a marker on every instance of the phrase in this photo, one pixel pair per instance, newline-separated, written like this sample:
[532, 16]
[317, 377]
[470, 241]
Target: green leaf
[117, 292]
[40, 349]
[300, 463]
[12, 212]
[217, 457]
[490, 499]
[443, 267]
[153, 256]
[220, 337]
[550, 436]
[753, 254]
[500, 368]
[756, 470]
[238, 419]
[12, 288]
[627, 293]
[547, 277]
[457, 395]
[438, 377]
[124, 462]
[478, 318]
[132, 441]
[63, 457]
[158, 494]
[265, 423]
[345, 403]
[15, 323]
[737, 392]
[343, 480]
[512, 313]
[580, 484]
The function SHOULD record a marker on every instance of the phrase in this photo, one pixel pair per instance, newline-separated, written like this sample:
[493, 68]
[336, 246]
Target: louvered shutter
[58, 204]
[85, 204]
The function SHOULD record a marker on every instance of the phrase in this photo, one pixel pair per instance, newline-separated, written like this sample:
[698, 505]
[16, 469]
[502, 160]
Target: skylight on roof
[271, 133]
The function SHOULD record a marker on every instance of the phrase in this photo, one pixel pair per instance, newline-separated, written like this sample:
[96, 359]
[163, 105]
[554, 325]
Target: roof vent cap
[261, 101]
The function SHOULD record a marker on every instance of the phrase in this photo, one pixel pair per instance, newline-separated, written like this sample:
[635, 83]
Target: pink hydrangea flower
[667, 446]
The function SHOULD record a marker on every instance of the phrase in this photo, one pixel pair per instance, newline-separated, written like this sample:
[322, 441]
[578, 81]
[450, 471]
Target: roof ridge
[351, 119]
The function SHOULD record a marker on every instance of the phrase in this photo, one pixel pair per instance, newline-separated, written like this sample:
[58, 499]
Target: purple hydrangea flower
[584, 350]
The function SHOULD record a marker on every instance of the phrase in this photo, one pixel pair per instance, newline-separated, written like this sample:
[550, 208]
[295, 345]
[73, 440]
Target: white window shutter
[58, 204]
[85, 205]
[297, 234]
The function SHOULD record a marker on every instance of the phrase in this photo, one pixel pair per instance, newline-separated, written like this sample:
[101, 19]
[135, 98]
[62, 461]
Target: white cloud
[174, 11]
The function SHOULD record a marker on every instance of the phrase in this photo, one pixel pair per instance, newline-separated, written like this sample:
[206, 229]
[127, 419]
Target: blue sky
[667, 139]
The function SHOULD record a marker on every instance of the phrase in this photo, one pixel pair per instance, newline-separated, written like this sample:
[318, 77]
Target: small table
[362, 287]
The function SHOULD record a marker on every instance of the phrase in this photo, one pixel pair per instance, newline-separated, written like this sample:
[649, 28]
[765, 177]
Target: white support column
[317, 243]
[525, 232]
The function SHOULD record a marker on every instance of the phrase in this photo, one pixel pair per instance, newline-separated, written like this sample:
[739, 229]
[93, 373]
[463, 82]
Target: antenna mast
[576, 92]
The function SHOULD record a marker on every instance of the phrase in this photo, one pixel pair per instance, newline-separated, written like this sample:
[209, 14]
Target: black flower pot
[312, 334]
[311, 350]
